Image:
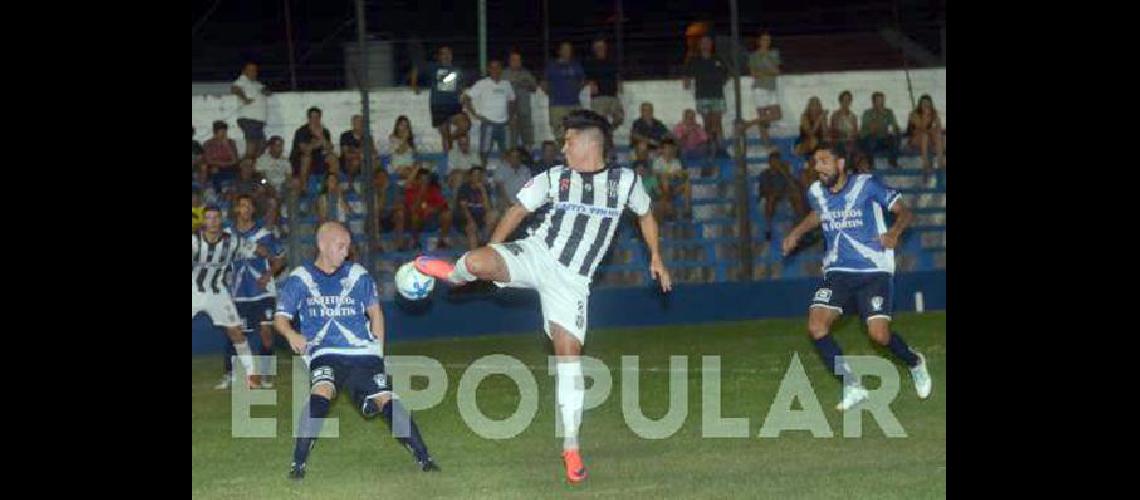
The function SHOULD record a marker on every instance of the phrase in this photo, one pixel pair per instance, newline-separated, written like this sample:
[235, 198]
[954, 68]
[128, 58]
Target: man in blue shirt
[563, 82]
[858, 267]
[447, 83]
[342, 335]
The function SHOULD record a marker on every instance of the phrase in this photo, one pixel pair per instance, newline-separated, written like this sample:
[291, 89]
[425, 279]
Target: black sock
[829, 350]
[899, 348]
[318, 408]
[230, 353]
[404, 429]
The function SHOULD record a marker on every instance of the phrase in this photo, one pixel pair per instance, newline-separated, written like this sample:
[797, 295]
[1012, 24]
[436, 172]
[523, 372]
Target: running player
[213, 251]
[259, 259]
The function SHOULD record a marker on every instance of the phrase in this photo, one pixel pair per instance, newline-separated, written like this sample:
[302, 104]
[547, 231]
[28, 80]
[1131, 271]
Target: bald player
[342, 340]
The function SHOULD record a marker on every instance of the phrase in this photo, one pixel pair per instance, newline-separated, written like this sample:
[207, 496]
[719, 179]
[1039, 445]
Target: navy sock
[829, 350]
[409, 434]
[230, 353]
[318, 408]
[899, 348]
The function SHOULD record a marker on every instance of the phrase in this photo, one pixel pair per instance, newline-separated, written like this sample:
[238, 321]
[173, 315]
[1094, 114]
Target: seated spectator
[778, 183]
[925, 131]
[880, 131]
[198, 210]
[248, 184]
[451, 184]
[460, 126]
[312, 148]
[462, 157]
[651, 184]
[331, 203]
[862, 163]
[274, 167]
[549, 158]
[641, 156]
[402, 148]
[510, 178]
[424, 203]
[647, 128]
[477, 215]
[813, 127]
[221, 155]
[674, 178]
[390, 216]
[353, 144]
[691, 136]
[844, 129]
[197, 158]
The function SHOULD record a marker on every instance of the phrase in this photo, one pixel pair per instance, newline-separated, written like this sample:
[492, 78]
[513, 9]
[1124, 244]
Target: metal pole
[366, 141]
[743, 214]
[482, 37]
[289, 41]
[545, 33]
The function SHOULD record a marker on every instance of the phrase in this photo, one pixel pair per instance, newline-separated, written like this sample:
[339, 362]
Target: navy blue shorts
[255, 313]
[363, 376]
[868, 293]
[254, 130]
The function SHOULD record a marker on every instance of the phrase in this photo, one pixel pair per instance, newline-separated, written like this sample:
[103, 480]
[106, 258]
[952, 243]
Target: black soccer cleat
[428, 465]
[296, 472]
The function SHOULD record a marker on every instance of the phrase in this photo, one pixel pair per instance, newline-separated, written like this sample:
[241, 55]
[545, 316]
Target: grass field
[365, 462]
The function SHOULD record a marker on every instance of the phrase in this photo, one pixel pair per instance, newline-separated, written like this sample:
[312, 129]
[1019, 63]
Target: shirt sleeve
[371, 296]
[638, 198]
[535, 192]
[813, 201]
[289, 297]
[881, 194]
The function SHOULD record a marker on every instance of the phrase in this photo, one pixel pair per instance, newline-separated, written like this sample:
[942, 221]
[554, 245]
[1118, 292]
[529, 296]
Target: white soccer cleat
[852, 395]
[227, 380]
[922, 383]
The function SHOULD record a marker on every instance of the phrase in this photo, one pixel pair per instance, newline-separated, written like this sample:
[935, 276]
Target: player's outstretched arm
[903, 218]
[296, 340]
[811, 221]
[657, 267]
[508, 223]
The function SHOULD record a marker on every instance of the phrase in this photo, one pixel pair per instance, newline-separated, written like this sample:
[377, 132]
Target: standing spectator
[605, 83]
[253, 110]
[353, 145]
[563, 81]
[447, 81]
[424, 202]
[273, 166]
[524, 84]
[221, 155]
[673, 178]
[492, 101]
[402, 147]
[844, 127]
[764, 64]
[711, 73]
[312, 148]
[647, 129]
[880, 131]
[778, 183]
[332, 204]
[511, 178]
[548, 159]
[462, 157]
[925, 130]
[476, 211]
[691, 136]
[813, 127]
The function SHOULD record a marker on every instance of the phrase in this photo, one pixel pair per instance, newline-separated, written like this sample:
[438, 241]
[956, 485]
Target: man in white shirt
[253, 110]
[462, 157]
[492, 101]
[274, 166]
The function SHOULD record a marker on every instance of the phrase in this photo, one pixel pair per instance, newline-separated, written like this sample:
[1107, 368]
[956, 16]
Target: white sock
[245, 357]
[571, 387]
[460, 274]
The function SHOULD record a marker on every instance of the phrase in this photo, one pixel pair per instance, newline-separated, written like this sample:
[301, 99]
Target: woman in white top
[402, 147]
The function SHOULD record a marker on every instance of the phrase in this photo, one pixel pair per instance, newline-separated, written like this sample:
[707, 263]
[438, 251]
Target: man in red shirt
[424, 203]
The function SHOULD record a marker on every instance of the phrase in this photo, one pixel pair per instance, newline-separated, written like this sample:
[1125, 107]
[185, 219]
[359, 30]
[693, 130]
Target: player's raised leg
[879, 329]
[820, 319]
[571, 395]
[483, 263]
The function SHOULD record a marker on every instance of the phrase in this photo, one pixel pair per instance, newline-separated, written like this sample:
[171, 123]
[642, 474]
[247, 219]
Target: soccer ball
[412, 284]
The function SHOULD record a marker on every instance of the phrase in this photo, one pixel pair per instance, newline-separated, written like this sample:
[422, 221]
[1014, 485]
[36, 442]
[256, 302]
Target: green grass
[365, 462]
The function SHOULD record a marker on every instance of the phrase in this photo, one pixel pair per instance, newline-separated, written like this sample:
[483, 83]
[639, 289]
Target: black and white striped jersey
[584, 213]
[212, 262]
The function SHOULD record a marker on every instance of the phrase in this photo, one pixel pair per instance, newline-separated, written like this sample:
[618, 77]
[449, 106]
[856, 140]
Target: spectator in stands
[510, 179]
[647, 129]
[274, 167]
[711, 73]
[402, 147]
[524, 84]
[476, 214]
[447, 82]
[463, 157]
[221, 155]
[197, 208]
[312, 148]
[691, 136]
[423, 203]
[353, 145]
[332, 204]
[253, 110]
[389, 208]
[880, 131]
[813, 127]
[844, 129]
[862, 163]
[247, 183]
[641, 156]
[925, 131]
[778, 183]
[674, 179]
[197, 158]
[563, 80]
[549, 158]
[491, 101]
[764, 64]
[605, 83]
[651, 183]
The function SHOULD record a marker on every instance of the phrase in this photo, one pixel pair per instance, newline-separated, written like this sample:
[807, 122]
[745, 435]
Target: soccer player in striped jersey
[858, 267]
[559, 258]
[213, 251]
[337, 309]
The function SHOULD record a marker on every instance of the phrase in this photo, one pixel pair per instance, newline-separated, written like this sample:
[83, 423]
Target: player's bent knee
[880, 331]
[323, 389]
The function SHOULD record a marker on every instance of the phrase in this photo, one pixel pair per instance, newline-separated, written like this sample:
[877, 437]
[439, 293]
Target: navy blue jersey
[852, 221]
[331, 309]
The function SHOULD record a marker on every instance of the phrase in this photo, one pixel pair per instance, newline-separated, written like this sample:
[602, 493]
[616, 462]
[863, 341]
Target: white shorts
[564, 295]
[218, 306]
[762, 98]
